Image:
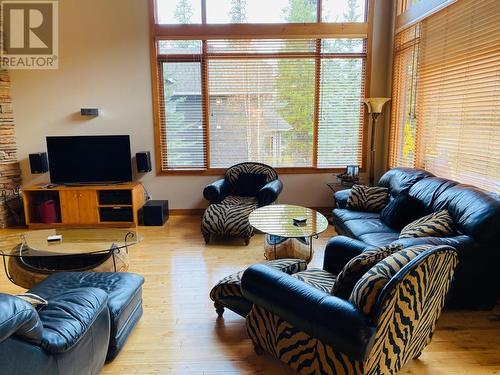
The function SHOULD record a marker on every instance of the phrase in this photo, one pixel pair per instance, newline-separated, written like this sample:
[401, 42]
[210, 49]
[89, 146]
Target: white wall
[105, 62]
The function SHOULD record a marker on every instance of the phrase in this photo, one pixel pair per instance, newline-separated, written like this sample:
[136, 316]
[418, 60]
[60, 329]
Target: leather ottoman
[124, 299]
[227, 292]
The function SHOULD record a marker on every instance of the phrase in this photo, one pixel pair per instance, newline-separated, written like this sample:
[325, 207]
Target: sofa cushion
[68, 316]
[19, 318]
[428, 190]
[401, 211]
[363, 226]
[366, 291]
[436, 224]
[249, 184]
[399, 180]
[342, 214]
[379, 239]
[317, 278]
[474, 211]
[358, 266]
[366, 198]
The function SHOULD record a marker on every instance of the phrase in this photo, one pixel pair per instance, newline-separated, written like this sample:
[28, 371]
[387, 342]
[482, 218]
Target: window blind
[458, 88]
[403, 116]
[288, 103]
[261, 101]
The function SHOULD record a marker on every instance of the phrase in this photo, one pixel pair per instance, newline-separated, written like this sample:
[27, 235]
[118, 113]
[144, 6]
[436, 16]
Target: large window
[446, 107]
[291, 102]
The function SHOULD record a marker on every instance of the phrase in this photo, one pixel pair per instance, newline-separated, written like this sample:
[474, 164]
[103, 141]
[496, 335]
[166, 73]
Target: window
[259, 11]
[451, 63]
[293, 103]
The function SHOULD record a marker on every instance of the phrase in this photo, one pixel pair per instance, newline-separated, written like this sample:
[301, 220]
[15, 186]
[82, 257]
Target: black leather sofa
[476, 215]
[69, 336]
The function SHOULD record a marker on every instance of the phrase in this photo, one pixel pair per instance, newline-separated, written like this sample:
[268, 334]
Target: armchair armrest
[68, 316]
[339, 250]
[334, 321]
[19, 318]
[216, 191]
[341, 197]
[269, 193]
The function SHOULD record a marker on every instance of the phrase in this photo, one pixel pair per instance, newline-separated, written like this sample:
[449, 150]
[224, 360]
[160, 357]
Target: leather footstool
[227, 293]
[124, 299]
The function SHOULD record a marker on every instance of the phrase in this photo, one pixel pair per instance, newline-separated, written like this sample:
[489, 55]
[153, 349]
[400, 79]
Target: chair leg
[247, 240]
[206, 236]
[219, 309]
[257, 349]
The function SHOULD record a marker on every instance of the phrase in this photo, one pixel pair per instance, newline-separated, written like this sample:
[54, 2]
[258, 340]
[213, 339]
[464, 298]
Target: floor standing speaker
[143, 160]
[155, 213]
[39, 163]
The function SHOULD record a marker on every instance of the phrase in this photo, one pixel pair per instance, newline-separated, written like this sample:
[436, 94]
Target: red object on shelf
[47, 212]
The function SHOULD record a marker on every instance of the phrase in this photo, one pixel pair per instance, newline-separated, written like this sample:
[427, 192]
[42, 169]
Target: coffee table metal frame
[23, 245]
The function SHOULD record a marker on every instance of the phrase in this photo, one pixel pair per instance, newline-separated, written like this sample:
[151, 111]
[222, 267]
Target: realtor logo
[29, 34]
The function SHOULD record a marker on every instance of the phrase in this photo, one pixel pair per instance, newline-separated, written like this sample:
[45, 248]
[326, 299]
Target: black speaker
[39, 163]
[143, 160]
[155, 213]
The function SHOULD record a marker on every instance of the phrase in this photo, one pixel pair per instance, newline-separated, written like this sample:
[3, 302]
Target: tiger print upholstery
[230, 217]
[358, 266]
[366, 291]
[405, 315]
[257, 168]
[228, 288]
[436, 224]
[366, 198]
[317, 278]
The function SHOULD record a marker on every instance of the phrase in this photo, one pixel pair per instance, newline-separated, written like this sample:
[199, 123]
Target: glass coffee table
[285, 238]
[29, 257]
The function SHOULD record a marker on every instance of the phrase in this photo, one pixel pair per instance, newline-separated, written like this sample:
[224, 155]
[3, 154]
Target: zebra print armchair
[245, 187]
[387, 321]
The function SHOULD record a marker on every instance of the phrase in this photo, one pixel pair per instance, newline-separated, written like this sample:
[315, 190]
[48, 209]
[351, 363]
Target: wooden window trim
[205, 31]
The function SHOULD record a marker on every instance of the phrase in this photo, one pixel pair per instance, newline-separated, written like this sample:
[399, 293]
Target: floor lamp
[375, 107]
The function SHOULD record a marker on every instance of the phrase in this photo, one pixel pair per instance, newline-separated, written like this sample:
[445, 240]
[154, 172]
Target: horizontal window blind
[457, 79]
[261, 110]
[403, 117]
[182, 133]
[340, 124]
[459, 93]
[288, 103]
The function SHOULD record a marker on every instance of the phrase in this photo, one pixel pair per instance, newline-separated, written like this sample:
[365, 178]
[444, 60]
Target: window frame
[318, 30]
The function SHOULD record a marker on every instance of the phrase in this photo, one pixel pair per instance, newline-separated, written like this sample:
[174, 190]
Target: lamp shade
[375, 105]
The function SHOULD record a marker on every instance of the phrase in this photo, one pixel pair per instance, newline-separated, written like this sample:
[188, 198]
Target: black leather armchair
[382, 326]
[227, 214]
[70, 336]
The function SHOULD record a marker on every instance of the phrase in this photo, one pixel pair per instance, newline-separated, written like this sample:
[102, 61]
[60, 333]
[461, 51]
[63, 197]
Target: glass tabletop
[278, 220]
[74, 242]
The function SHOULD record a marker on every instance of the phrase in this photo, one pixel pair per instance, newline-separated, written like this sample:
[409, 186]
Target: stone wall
[10, 173]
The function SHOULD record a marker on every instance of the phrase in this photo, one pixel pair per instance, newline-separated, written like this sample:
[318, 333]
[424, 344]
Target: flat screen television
[89, 159]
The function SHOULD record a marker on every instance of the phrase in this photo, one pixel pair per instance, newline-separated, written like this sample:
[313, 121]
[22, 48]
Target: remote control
[54, 238]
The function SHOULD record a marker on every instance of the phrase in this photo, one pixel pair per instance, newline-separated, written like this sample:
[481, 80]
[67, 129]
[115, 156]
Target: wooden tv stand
[85, 206]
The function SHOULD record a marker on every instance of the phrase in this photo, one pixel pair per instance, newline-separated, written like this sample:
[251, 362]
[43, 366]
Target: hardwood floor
[180, 334]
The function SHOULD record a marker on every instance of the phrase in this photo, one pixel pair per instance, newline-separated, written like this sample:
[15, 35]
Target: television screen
[89, 159]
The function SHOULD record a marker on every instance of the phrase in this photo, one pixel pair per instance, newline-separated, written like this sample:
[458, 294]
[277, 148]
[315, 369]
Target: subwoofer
[39, 163]
[143, 160]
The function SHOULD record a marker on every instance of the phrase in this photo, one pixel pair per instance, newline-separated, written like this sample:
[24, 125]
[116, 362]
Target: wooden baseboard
[187, 211]
[199, 211]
